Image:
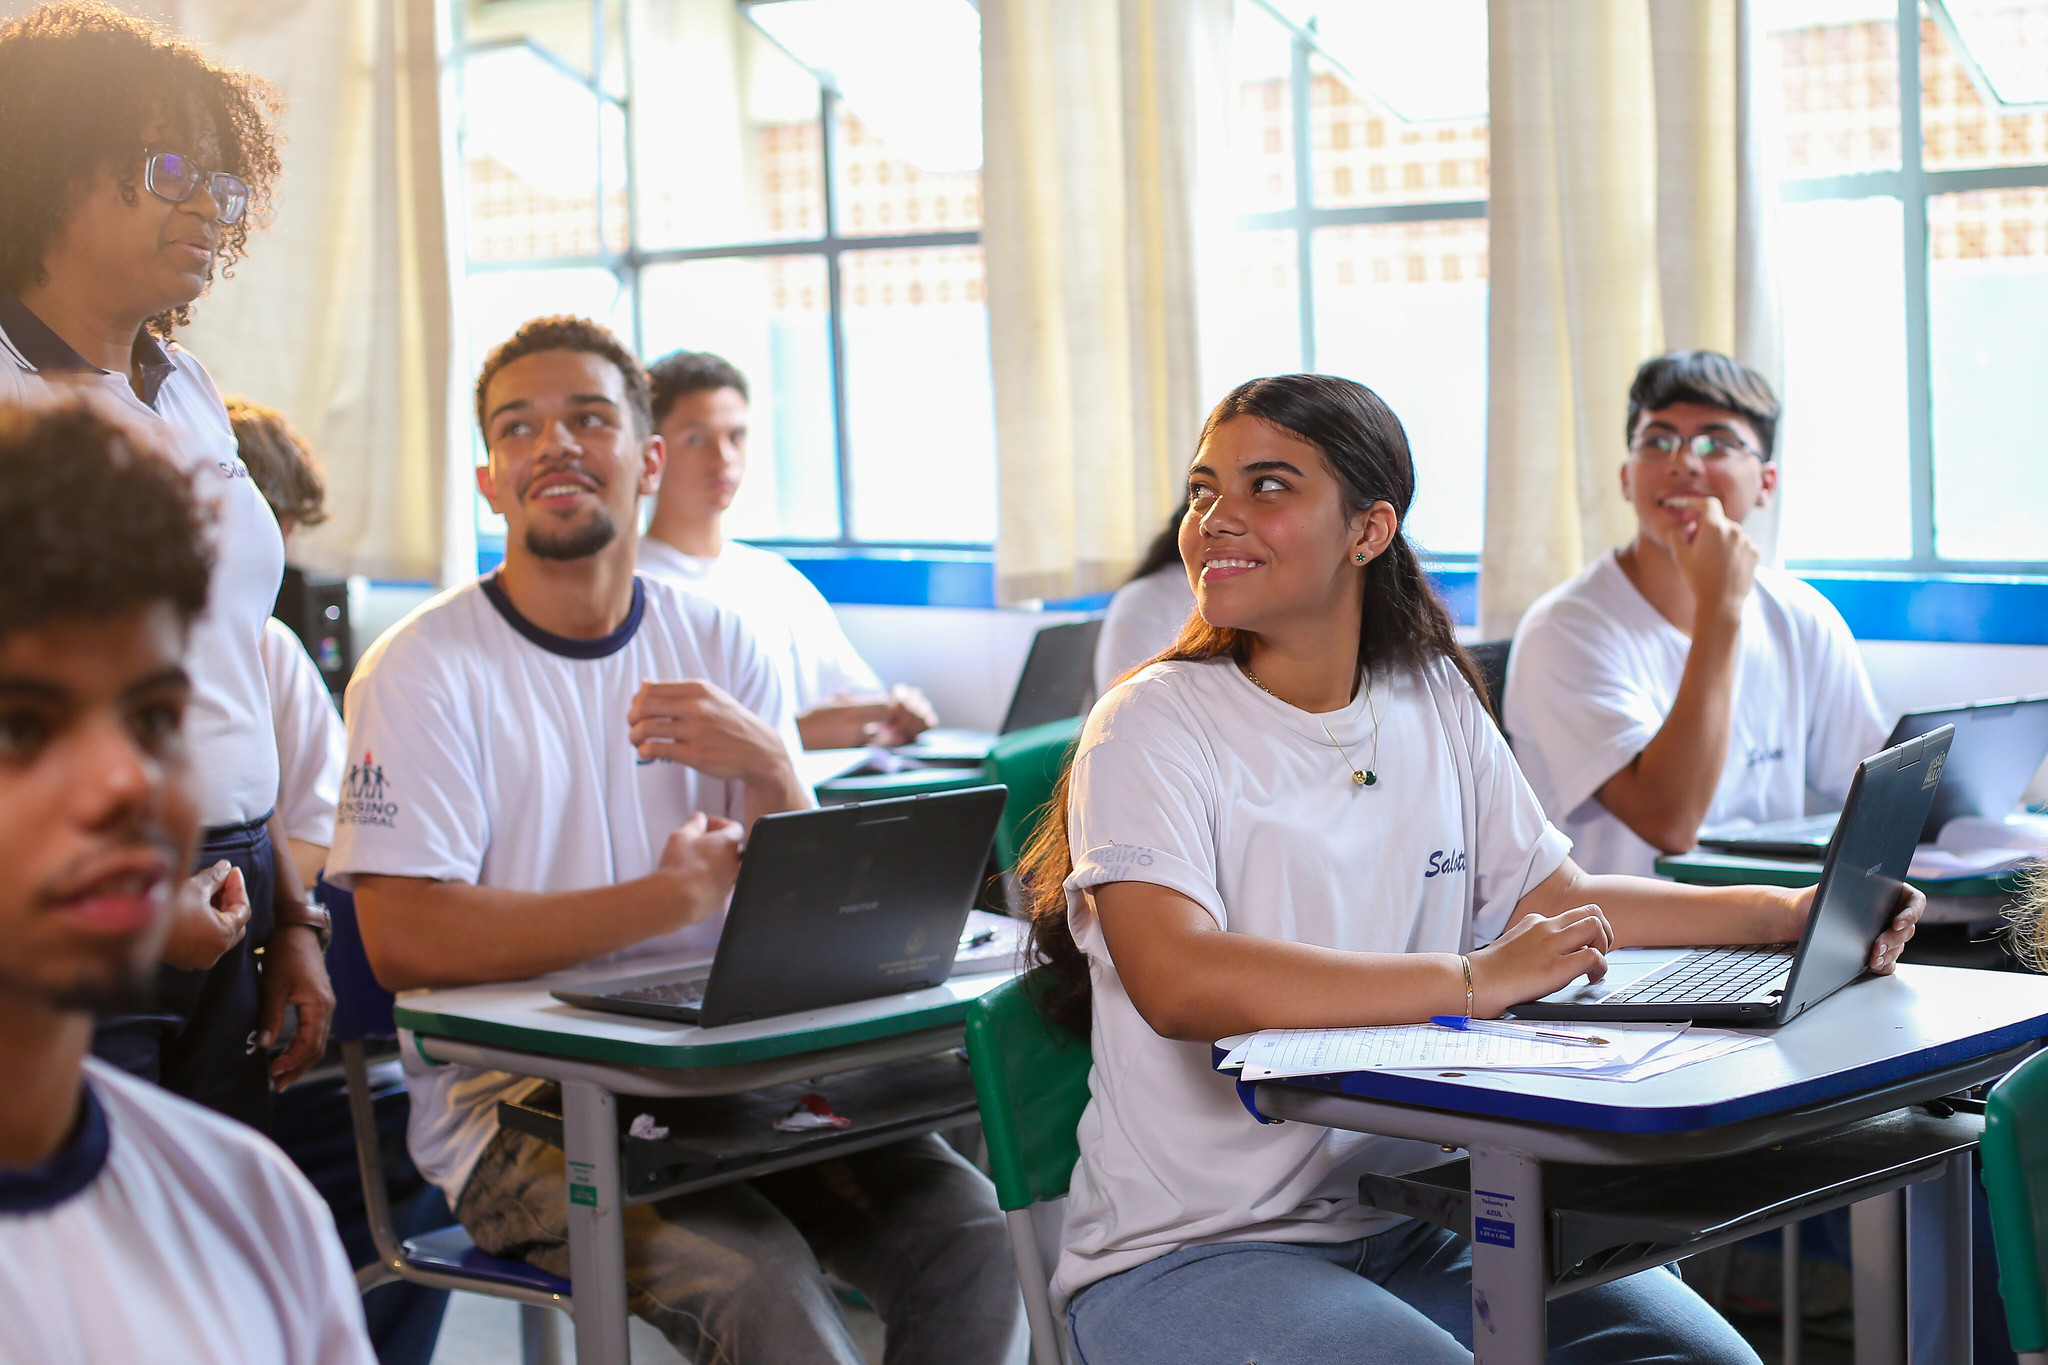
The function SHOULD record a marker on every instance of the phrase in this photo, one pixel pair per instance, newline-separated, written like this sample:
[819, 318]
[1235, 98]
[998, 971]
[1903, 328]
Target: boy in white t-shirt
[134, 1225]
[1676, 684]
[554, 766]
[700, 410]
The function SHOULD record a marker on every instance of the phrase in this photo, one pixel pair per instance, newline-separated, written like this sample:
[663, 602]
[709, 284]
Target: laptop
[1058, 682]
[833, 905]
[1763, 986]
[1999, 747]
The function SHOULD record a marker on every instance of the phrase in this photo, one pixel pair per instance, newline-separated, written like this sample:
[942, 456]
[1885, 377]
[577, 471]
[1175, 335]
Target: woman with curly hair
[131, 169]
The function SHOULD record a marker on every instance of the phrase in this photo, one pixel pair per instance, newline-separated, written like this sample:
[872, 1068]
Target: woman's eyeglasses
[1709, 446]
[176, 177]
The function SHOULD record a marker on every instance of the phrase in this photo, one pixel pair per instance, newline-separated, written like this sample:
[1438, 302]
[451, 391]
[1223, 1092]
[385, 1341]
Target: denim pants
[1400, 1298]
[733, 1275]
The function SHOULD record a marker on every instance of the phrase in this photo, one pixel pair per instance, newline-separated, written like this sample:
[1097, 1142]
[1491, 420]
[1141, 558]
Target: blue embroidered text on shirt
[1758, 755]
[1443, 862]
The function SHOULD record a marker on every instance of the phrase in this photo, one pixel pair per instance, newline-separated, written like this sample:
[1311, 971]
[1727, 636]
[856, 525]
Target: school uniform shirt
[312, 746]
[1595, 669]
[1144, 617]
[1190, 777]
[792, 619]
[164, 1234]
[227, 725]
[483, 749]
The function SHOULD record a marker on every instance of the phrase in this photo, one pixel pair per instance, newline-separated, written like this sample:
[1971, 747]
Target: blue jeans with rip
[1403, 1297]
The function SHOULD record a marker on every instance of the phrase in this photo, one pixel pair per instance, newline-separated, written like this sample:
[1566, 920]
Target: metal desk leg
[597, 1241]
[1508, 1321]
[1938, 1264]
[1794, 1311]
[1877, 1263]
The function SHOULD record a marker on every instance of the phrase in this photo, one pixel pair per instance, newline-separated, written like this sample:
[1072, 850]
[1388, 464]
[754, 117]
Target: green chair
[1032, 1083]
[2014, 1149]
[1029, 762]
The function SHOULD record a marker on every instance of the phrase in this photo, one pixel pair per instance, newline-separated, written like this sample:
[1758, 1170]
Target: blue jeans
[1401, 1298]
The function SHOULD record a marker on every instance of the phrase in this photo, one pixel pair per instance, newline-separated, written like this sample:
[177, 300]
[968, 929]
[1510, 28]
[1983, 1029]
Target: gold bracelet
[1467, 962]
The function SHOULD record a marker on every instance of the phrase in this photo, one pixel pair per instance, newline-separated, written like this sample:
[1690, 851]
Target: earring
[1359, 557]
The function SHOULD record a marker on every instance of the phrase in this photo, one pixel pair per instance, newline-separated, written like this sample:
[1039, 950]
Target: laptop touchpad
[1625, 967]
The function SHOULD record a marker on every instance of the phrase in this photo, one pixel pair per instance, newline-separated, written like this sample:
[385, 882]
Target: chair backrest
[2015, 1156]
[1031, 1079]
[1028, 762]
[1492, 658]
[362, 1007]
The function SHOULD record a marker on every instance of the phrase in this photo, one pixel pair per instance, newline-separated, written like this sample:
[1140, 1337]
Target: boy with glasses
[1676, 683]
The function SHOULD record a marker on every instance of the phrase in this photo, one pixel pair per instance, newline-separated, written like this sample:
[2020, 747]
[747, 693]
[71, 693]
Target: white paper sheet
[1629, 1052]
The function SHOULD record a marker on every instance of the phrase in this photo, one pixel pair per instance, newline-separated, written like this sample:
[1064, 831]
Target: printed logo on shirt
[1444, 862]
[231, 469]
[1759, 754]
[365, 798]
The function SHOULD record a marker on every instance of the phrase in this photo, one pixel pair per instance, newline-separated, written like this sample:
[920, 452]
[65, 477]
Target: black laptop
[1999, 747]
[1772, 984]
[1058, 682]
[833, 905]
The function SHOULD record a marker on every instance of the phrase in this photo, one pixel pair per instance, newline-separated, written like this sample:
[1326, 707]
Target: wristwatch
[308, 914]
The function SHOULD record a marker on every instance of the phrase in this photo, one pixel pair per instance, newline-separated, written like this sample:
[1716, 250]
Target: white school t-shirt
[312, 747]
[1144, 617]
[483, 749]
[1191, 777]
[795, 623]
[164, 1234]
[227, 724]
[1594, 671]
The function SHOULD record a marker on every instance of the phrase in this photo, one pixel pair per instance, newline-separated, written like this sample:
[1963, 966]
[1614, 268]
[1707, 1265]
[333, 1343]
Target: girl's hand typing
[1537, 955]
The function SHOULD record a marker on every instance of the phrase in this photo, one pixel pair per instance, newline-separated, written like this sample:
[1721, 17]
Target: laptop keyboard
[1712, 974]
[687, 993]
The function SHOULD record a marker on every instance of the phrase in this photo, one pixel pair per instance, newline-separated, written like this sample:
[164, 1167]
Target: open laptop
[1999, 747]
[833, 905]
[1771, 984]
[1058, 681]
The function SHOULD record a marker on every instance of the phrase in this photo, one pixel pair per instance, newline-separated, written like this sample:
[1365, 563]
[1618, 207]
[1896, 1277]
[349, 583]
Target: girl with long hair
[1301, 816]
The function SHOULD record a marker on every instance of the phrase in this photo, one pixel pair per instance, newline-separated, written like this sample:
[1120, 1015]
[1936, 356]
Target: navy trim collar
[599, 648]
[74, 1166]
[42, 350]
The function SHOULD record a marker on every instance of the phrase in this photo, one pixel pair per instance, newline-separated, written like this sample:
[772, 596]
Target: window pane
[1964, 129]
[883, 194]
[1843, 439]
[750, 167]
[767, 315]
[533, 154]
[1367, 154]
[1257, 327]
[920, 407]
[1838, 76]
[1262, 130]
[1987, 293]
[1401, 308]
[561, 26]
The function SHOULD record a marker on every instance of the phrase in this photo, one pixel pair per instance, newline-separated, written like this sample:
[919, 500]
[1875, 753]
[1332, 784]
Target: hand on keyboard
[1538, 955]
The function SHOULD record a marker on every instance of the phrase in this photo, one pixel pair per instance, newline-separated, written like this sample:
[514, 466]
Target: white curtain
[1098, 119]
[342, 314]
[1630, 215]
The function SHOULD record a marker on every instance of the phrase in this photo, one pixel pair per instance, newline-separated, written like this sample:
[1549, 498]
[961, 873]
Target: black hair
[563, 332]
[679, 374]
[99, 518]
[1404, 624]
[1712, 380]
[1165, 547]
[81, 84]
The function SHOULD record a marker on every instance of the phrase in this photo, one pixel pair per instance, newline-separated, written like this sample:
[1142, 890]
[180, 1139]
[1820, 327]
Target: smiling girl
[1301, 816]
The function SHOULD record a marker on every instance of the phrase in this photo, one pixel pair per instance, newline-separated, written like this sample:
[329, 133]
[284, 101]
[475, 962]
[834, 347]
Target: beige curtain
[1630, 215]
[341, 316]
[1095, 121]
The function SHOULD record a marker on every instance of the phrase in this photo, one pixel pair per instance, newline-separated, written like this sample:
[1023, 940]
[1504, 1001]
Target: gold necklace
[1364, 777]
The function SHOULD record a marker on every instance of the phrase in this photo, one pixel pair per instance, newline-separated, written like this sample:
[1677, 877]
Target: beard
[126, 986]
[577, 542]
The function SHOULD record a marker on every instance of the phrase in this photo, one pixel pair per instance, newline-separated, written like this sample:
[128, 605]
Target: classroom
[1024, 682]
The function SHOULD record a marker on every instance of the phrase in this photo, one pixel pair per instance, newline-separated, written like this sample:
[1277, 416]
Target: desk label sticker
[583, 1184]
[1493, 1218]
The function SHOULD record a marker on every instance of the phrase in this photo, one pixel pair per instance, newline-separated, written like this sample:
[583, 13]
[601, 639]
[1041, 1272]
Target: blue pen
[1463, 1025]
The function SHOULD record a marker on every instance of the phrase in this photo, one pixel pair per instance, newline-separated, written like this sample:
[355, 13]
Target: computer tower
[315, 606]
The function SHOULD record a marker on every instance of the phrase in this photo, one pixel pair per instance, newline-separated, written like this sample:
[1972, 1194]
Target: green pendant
[1370, 779]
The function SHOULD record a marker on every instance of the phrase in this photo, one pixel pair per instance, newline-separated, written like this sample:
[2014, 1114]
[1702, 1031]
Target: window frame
[627, 264]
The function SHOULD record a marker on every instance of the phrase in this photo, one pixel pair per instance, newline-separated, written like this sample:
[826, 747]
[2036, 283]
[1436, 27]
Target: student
[700, 409]
[132, 169]
[134, 1225]
[1147, 613]
[1677, 683]
[1299, 817]
[522, 798]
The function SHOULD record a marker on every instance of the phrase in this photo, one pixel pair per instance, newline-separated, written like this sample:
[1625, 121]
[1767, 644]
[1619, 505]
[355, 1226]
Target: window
[763, 179]
[1361, 151]
[1913, 142]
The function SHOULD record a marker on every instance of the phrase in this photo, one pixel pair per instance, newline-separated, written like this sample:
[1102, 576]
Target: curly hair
[564, 332]
[679, 374]
[81, 84]
[99, 517]
[284, 470]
